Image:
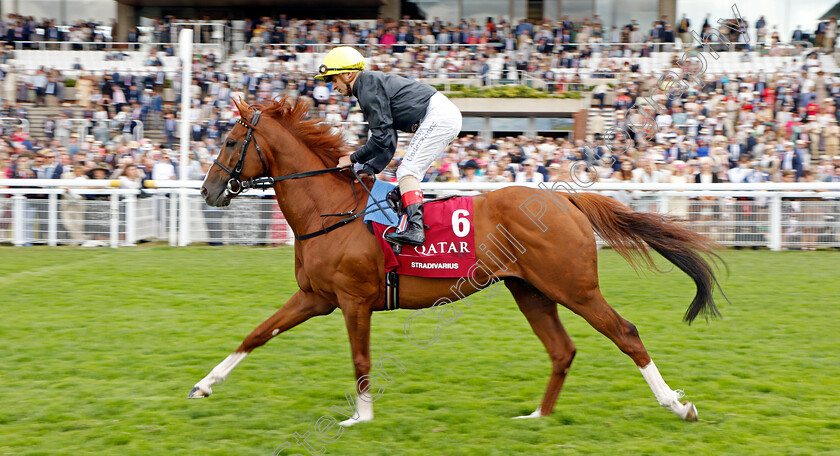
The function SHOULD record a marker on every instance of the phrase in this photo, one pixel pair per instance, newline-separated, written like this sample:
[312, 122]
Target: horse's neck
[303, 201]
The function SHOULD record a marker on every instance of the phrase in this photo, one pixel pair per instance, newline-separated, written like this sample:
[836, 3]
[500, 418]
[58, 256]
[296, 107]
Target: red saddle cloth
[449, 250]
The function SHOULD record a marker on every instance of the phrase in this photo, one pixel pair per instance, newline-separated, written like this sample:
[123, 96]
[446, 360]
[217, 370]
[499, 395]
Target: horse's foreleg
[301, 307]
[357, 318]
[541, 313]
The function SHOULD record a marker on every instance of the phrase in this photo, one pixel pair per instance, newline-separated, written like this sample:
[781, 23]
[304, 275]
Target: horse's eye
[230, 143]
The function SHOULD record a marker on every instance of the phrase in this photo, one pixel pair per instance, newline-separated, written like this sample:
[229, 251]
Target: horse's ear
[240, 105]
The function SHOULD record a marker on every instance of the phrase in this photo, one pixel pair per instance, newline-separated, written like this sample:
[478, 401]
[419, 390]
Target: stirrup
[394, 200]
[395, 243]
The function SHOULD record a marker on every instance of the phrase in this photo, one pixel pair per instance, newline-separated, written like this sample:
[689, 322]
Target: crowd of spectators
[495, 32]
[521, 159]
[500, 35]
[777, 126]
[16, 27]
[768, 123]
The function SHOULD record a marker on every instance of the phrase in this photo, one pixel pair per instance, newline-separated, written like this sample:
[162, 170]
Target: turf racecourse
[99, 348]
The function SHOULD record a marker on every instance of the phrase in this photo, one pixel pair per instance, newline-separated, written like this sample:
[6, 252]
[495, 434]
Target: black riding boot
[414, 234]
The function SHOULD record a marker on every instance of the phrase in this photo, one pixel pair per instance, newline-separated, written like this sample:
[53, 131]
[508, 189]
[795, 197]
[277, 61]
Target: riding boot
[414, 233]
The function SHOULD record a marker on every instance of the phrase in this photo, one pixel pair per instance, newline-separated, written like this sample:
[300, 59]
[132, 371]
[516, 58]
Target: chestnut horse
[555, 256]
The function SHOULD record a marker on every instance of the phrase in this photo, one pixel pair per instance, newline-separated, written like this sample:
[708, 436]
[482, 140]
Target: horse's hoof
[352, 421]
[198, 393]
[691, 415]
[536, 414]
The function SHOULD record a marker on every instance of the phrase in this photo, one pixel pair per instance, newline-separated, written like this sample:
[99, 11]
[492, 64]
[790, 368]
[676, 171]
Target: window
[550, 10]
[472, 124]
[553, 124]
[446, 11]
[578, 9]
[480, 10]
[644, 11]
[509, 123]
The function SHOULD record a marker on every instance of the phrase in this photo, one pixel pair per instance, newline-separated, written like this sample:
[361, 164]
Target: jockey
[392, 103]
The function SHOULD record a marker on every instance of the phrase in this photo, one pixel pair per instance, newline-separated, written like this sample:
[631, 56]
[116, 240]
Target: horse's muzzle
[220, 199]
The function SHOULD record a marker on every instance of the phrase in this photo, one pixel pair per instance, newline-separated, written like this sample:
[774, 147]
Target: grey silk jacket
[390, 103]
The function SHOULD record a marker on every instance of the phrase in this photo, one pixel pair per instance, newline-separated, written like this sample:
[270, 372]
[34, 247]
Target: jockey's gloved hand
[367, 169]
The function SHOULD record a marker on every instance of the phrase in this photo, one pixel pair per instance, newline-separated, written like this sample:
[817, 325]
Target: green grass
[98, 349]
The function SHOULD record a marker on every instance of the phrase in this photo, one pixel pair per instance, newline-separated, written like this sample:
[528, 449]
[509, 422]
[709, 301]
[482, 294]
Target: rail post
[184, 229]
[17, 220]
[52, 219]
[130, 219]
[662, 203]
[173, 218]
[775, 222]
[114, 213]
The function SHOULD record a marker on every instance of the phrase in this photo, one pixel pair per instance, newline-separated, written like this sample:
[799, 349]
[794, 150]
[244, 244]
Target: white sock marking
[363, 411]
[666, 397]
[536, 414]
[220, 372]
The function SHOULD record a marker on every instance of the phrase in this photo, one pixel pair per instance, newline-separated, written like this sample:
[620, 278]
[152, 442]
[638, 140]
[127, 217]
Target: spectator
[529, 173]
[163, 168]
[130, 177]
[469, 172]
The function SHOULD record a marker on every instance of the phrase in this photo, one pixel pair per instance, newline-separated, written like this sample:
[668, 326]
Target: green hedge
[509, 91]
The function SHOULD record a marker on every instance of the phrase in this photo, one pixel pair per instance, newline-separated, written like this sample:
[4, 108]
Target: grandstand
[739, 63]
[566, 92]
[155, 197]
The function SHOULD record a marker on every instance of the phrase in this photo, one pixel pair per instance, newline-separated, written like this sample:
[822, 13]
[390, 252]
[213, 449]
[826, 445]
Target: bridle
[235, 185]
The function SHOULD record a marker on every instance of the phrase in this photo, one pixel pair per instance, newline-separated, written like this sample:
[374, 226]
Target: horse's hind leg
[594, 309]
[541, 313]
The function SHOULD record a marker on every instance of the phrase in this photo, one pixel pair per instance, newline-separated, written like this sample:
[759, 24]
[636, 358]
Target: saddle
[449, 251]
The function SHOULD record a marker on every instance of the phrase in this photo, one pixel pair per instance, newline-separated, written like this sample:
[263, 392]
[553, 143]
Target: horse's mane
[313, 133]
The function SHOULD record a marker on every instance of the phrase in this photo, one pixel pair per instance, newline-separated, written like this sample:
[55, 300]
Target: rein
[235, 185]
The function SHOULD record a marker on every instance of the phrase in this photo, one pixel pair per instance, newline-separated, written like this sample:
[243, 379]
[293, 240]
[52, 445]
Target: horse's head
[240, 159]
[250, 150]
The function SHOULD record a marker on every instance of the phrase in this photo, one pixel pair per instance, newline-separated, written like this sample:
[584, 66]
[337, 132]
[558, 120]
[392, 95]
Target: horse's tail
[627, 231]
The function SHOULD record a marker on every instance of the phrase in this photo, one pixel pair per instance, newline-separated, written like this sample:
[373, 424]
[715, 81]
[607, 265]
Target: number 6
[460, 222]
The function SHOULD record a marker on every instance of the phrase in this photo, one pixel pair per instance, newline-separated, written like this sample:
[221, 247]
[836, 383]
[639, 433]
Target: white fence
[54, 212]
[117, 218]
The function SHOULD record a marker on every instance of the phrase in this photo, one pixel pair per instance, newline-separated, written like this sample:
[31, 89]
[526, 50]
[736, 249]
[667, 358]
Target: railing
[806, 44]
[98, 216]
[217, 34]
[324, 47]
[16, 121]
[367, 47]
[118, 46]
[83, 127]
[776, 216]
[76, 214]
[597, 46]
[770, 215]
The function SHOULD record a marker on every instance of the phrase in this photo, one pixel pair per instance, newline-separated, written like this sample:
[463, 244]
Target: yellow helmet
[341, 60]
